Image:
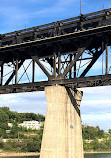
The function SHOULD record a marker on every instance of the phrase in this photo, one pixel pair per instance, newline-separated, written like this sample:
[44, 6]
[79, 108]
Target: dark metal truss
[92, 81]
[75, 24]
[64, 53]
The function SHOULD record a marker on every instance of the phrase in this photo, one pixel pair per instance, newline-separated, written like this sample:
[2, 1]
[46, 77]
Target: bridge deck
[45, 47]
[62, 44]
[88, 32]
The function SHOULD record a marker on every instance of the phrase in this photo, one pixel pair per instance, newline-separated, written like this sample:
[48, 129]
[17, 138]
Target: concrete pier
[62, 136]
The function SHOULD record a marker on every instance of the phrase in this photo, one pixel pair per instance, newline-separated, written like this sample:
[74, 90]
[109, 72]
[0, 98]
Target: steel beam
[72, 63]
[16, 71]
[36, 59]
[1, 78]
[94, 59]
[13, 73]
[75, 67]
[59, 63]
[33, 70]
[106, 59]
[54, 65]
[70, 73]
[91, 81]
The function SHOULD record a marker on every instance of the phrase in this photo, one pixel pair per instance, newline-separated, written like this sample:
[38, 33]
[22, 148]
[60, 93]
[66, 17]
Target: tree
[95, 144]
[90, 132]
[109, 131]
[13, 115]
[3, 117]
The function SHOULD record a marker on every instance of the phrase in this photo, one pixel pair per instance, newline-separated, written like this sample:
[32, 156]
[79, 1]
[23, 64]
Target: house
[31, 124]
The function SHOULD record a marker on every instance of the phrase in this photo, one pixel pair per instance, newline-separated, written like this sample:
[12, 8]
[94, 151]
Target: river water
[107, 155]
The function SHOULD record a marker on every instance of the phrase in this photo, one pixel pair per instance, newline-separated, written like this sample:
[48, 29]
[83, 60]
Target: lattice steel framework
[64, 50]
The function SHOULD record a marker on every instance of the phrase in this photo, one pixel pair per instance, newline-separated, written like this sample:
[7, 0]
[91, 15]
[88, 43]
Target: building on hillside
[10, 124]
[31, 124]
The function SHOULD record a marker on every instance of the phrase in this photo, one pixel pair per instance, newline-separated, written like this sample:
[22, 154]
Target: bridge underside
[69, 48]
[92, 81]
[69, 57]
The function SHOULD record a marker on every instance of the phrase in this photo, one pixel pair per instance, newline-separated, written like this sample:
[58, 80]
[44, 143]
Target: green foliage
[3, 117]
[1, 144]
[3, 133]
[96, 139]
[109, 131]
[95, 145]
[15, 145]
[30, 116]
[21, 139]
[14, 131]
[90, 132]
[11, 116]
[29, 144]
[34, 145]
[87, 146]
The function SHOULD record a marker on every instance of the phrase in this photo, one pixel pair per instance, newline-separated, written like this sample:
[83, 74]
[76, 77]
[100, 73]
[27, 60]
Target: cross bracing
[65, 54]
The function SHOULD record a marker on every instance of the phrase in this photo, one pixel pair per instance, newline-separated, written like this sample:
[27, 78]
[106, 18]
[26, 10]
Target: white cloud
[95, 103]
[102, 91]
[14, 15]
[25, 102]
[96, 100]
[93, 112]
[103, 120]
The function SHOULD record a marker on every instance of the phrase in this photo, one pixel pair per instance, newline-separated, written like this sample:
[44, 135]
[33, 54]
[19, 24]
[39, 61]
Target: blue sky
[14, 15]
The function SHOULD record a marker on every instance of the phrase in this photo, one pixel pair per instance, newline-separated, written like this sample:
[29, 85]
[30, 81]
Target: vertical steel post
[70, 73]
[106, 59]
[59, 63]
[54, 65]
[33, 70]
[16, 71]
[75, 67]
[102, 57]
[1, 80]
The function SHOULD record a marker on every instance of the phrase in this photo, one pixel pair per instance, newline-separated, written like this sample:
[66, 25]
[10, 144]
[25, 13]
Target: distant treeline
[90, 132]
[20, 139]
[95, 139]
[10, 116]
[7, 116]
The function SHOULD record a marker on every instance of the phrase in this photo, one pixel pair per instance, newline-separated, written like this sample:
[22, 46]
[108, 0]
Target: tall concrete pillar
[62, 136]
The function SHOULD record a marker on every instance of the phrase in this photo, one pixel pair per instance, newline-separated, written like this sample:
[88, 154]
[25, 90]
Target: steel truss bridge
[70, 47]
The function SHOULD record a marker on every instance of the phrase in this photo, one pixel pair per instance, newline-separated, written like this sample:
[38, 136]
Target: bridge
[69, 48]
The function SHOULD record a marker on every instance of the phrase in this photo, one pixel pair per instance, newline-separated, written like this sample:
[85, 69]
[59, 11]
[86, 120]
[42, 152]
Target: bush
[1, 144]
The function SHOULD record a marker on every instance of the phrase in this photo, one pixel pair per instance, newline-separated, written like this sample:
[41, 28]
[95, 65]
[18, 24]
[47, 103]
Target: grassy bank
[9, 154]
[18, 139]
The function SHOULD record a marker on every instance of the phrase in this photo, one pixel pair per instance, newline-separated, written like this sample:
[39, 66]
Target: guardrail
[56, 28]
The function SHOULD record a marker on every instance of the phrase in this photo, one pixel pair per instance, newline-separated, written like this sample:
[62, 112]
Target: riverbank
[9, 154]
[12, 154]
[97, 152]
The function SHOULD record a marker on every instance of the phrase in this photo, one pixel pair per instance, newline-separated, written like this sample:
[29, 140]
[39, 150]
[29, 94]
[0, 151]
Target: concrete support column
[62, 136]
